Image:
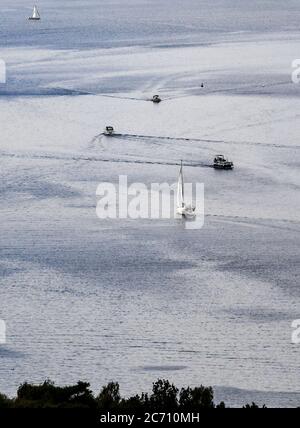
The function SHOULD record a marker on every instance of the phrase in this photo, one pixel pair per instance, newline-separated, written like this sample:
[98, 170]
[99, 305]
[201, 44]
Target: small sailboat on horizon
[183, 209]
[35, 15]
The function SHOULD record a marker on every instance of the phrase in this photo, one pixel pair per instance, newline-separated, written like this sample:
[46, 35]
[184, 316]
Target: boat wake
[67, 157]
[275, 223]
[201, 140]
[125, 98]
[31, 91]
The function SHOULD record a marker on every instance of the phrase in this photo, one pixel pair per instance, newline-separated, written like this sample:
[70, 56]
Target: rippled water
[106, 23]
[136, 300]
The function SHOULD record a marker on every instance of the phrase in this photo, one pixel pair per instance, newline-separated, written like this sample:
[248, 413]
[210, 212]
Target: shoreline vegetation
[164, 396]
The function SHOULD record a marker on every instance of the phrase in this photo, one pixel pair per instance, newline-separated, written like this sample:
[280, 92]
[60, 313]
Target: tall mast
[182, 184]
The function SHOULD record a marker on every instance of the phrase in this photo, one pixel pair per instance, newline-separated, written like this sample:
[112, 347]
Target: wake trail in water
[233, 89]
[53, 156]
[259, 221]
[201, 140]
[124, 98]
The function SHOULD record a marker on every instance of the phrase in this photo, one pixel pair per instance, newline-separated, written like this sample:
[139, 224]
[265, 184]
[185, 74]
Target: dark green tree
[196, 398]
[164, 396]
[49, 395]
[5, 402]
[109, 397]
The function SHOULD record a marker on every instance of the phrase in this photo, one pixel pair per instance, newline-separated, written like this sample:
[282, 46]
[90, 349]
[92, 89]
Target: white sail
[186, 211]
[35, 13]
[180, 189]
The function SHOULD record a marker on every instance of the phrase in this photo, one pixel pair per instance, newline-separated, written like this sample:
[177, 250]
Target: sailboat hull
[186, 212]
[180, 211]
[34, 19]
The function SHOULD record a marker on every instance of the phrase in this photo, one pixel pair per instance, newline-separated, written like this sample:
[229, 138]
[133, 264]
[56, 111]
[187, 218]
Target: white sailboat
[183, 209]
[35, 15]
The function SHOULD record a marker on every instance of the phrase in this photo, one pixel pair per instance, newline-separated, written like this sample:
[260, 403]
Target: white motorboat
[220, 162]
[109, 131]
[156, 99]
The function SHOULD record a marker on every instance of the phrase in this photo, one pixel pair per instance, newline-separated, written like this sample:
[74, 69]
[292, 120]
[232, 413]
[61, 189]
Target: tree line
[164, 396]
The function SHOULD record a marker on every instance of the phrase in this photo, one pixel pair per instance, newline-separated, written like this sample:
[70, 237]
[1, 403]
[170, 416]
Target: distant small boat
[184, 210]
[109, 131]
[35, 15]
[156, 99]
[220, 162]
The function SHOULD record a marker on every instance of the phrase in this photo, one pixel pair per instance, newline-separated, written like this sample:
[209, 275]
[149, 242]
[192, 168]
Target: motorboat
[109, 131]
[156, 99]
[220, 162]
